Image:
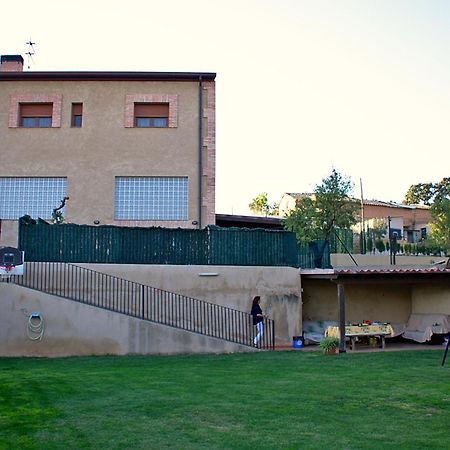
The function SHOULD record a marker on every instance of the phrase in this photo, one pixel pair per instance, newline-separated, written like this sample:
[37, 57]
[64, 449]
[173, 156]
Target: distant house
[406, 222]
[410, 222]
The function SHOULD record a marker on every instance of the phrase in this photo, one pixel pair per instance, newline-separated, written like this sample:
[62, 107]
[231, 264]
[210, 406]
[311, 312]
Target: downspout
[200, 148]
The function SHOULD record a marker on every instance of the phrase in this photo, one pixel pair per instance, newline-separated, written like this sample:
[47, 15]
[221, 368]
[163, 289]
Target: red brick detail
[11, 66]
[209, 148]
[17, 99]
[171, 99]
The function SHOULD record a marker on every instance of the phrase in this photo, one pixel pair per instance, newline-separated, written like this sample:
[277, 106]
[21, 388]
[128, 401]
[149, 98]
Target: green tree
[329, 208]
[440, 228]
[260, 205]
[427, 193]
[380, 245]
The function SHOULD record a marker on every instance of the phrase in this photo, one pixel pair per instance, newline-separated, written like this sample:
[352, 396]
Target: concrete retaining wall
[71, 328]
[76, 329]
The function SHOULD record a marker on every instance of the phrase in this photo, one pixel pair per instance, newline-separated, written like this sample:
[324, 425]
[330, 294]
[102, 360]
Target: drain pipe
[200, 148]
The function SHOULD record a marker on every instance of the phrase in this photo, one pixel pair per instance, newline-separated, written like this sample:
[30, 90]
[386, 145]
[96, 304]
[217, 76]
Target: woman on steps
[258, 320]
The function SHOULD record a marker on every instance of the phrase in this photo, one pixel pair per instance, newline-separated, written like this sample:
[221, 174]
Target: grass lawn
[267, 400]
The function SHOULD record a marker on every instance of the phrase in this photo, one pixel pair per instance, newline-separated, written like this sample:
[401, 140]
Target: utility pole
[363, 232]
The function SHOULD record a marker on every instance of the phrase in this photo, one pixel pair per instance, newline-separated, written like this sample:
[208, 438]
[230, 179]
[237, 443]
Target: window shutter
[36, 109]
[77, 109]
[151, 110]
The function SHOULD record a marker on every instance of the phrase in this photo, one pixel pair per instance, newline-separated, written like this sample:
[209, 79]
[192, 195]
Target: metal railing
[144, 302]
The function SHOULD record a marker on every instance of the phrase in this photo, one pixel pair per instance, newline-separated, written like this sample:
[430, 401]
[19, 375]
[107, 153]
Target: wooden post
[341, 302]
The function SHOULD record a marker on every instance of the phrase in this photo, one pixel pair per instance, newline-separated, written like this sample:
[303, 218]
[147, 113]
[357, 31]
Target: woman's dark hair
[256, 300]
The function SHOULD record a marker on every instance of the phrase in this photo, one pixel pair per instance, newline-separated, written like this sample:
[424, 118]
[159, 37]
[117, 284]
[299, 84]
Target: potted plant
[329, 345]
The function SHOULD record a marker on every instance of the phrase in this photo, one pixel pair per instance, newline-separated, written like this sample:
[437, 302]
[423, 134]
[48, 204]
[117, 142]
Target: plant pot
[331, 351]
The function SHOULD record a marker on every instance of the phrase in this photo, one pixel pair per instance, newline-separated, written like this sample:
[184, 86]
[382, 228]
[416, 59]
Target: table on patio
[356, 331]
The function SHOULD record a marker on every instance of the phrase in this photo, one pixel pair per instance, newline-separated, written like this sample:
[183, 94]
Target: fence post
[142, 301]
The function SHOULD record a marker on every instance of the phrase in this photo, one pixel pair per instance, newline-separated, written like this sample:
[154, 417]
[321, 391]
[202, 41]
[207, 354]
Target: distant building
[407, 222]
[127, 148]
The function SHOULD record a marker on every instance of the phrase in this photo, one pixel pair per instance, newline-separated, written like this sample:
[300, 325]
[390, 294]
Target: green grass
[267, 400]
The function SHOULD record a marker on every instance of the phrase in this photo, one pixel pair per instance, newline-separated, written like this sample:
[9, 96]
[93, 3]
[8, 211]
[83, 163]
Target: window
[151, 115]
[151, 111]
[77, 115]
[36, 196]
[35, 110]
[36, 115]
[151, 198]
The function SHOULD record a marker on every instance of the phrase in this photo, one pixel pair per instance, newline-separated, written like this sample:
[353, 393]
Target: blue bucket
[297, 342]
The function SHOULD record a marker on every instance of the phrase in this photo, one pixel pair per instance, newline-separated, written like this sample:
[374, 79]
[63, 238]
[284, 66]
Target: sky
[302, 87]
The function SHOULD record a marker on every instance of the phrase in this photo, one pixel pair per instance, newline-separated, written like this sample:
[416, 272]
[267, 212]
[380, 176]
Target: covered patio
[418, 297]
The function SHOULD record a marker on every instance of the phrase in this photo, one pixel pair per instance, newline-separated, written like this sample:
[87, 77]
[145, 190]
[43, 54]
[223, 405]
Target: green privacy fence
[342, 241]
[213, 245]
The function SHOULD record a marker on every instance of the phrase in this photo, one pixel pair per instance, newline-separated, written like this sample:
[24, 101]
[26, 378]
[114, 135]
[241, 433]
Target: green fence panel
[155, 245]
[343, 242]
[249, 247]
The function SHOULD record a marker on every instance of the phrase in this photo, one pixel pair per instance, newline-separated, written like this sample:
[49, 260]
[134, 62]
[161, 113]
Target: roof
[107, 76]
[411, 275]
[231, 220]
[389, 204]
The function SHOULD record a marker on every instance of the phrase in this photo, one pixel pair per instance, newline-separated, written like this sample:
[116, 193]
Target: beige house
[126, 148]
[408, 222]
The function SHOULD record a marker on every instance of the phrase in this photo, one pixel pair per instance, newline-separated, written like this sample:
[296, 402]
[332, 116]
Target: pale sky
[303, 86]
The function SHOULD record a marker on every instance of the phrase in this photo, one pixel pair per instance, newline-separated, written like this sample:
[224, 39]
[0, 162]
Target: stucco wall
[235, 287]
[103, 148]
[431, 299]
[71, 328]
[381, 260]
[386, 303]
[80, 329]
[9, 233]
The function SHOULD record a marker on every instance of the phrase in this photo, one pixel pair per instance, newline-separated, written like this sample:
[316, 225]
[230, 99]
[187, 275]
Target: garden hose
[35, 329]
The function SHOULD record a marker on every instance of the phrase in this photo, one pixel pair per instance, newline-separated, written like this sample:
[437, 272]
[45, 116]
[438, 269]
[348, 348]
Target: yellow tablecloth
[363, 330]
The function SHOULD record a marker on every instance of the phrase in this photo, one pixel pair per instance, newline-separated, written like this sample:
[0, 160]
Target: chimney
[11, 63]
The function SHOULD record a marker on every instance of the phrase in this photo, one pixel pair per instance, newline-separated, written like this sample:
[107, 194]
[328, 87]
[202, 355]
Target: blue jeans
[260, 329]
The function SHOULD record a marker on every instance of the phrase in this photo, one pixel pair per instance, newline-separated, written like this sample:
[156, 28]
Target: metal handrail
[144, 302]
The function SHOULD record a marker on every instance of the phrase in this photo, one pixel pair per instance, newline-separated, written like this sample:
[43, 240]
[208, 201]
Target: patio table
[355, 331]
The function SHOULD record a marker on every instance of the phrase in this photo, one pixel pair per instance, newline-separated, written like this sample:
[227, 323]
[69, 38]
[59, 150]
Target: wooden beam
[341, 302]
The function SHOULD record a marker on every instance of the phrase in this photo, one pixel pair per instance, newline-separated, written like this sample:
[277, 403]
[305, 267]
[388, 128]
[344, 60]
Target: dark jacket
[256, 309]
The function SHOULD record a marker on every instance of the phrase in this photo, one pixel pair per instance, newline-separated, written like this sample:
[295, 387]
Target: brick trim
[171, 99]
[209, 144]
[17, 99]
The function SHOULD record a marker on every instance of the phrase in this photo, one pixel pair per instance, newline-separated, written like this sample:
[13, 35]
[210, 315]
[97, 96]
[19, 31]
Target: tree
[260, 205]
[329, 208]
[380, 245]
[427, 193]
[440, 228]
[438, 196]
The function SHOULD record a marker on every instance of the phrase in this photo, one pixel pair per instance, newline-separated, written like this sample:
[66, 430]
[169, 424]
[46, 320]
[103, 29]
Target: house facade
[119, 148]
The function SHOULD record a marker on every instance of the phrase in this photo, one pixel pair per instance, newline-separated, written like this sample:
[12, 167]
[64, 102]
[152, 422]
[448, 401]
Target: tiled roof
[299, 195]
[377, 270]
[390, 270]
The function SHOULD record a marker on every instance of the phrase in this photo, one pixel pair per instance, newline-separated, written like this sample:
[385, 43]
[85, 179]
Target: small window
[77, 115]
[36, 115]
[151, 115]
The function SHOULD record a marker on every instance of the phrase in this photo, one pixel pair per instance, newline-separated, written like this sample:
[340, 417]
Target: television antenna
[31, 51]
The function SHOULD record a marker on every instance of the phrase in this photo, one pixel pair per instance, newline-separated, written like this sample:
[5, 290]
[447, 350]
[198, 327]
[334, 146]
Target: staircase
[143, 302]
